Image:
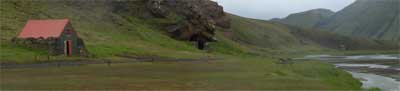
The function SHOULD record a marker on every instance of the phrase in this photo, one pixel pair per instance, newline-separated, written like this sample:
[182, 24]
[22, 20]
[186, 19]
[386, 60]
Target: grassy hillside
[261, 33]
[307, 19]
[271, 35]
[374, 19]
[247, 53]
[109, 32]
[106, 33]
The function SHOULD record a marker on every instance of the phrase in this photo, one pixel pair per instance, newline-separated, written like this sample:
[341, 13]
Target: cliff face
[188, 20]
[307, 19]
[377, 19]
[197, 18]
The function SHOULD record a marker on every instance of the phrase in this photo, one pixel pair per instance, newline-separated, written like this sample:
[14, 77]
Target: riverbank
[370, 69]
[377, 81]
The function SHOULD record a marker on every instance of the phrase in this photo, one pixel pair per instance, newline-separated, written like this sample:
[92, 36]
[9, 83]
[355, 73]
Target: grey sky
[267, 9]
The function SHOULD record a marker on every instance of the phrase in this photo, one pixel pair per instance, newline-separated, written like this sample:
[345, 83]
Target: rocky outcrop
[199, 18]
[186, 20]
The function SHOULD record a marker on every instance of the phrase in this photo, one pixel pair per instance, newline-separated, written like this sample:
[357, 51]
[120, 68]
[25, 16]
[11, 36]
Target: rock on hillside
[377, 19]
[307, 19]
[185, 19]
[142, 24]
[199, 18]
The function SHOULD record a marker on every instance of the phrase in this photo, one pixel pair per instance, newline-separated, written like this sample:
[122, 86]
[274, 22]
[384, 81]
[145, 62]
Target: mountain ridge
[306, 19]
[374, 19]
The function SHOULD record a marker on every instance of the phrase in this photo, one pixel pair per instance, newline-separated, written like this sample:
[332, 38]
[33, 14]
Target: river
[374, 71]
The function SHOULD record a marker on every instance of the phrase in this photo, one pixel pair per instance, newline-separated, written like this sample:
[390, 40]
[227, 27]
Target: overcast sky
[267, 9]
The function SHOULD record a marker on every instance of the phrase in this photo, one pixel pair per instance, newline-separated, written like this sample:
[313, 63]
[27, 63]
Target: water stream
[377, 81]
[374, 71]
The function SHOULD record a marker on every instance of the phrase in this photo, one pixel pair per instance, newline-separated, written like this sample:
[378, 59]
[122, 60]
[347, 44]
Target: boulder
[200, 17]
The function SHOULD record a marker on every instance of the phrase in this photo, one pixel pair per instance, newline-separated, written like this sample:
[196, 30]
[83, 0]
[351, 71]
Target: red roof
[43, 28]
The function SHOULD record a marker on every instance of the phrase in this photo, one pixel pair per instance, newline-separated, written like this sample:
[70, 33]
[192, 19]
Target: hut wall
[71, 36]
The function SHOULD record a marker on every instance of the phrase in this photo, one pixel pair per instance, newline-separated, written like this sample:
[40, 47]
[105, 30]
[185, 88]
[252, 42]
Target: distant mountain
[266, 34]
[307, 19]
[377, 19]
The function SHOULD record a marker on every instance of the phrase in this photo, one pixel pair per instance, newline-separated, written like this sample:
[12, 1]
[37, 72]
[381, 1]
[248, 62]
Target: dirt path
[104, 61]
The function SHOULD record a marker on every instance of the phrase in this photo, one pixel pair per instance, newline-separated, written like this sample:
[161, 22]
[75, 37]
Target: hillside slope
[273, 35]
[126, 28]
[112, 29]
[107, 33]
[377, 19]
[307, 19]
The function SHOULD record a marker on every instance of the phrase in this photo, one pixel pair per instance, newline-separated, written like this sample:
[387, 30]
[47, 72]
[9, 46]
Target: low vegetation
[228, 74]
[246, 54]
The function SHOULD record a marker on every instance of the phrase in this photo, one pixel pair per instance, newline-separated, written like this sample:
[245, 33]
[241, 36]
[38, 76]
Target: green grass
[106, 34]
[261, 33]
[23, 54]
[227, 74]
[248, 54]
[373, 89]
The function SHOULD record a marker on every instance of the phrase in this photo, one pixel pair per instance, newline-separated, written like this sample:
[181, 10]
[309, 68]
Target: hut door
[68, 48]
[201, 44]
